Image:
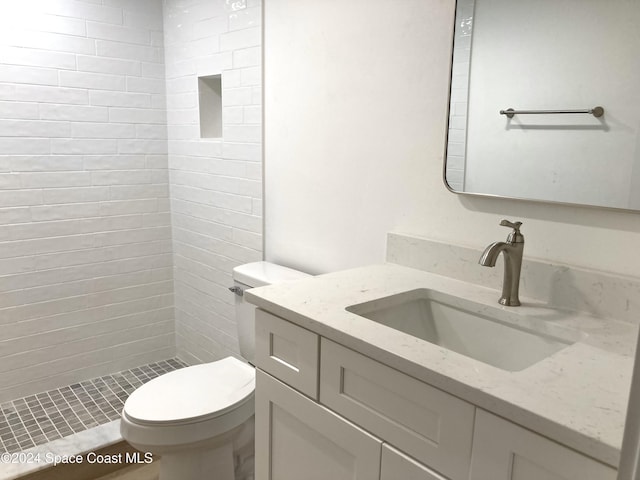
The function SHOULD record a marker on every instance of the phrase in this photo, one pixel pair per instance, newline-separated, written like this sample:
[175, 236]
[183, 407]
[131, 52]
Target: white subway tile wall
[86, 270]
[216, 184]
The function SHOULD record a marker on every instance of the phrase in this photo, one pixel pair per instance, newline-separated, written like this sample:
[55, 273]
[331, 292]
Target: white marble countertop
[577, 396]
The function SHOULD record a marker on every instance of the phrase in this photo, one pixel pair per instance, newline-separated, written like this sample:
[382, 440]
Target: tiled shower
[120, 217]
[48, 416]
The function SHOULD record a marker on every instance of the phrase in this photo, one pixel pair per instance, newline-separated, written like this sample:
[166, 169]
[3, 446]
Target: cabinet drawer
[505, 451]
[288, 352]
[426, 423]
[395, 465]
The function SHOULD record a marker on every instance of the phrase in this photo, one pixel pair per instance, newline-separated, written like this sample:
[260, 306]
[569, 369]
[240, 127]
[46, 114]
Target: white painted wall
[348, 116]
[216, 184]
[587, 45]
[85, 242]
[355, 117]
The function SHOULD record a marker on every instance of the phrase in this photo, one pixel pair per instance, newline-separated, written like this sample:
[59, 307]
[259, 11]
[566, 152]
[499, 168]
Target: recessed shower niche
[210, 106]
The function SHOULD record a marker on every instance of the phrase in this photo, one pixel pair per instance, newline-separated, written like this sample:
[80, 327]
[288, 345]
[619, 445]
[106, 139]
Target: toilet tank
[249, 275]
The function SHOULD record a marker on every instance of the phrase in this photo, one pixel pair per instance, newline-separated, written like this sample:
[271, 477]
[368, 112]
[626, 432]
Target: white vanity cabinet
[324, 411]
[503, 450]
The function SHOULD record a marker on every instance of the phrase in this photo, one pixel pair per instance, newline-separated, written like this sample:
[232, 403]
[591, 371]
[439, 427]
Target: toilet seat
[199, 393]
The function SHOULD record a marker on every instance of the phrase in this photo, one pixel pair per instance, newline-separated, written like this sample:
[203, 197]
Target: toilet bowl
[194, 418]
[200, 419]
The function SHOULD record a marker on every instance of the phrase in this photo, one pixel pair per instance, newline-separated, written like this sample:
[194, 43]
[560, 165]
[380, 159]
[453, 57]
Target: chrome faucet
[512, 250]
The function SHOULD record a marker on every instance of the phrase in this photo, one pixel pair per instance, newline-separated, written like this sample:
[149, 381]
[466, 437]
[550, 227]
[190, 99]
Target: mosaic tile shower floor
[43, 417]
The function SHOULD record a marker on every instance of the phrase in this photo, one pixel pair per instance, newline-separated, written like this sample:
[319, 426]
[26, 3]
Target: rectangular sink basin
[497, 336]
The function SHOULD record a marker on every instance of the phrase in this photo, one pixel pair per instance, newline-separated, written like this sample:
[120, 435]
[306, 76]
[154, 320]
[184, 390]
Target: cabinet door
[397, 466]
[298, 439]
[505, 451]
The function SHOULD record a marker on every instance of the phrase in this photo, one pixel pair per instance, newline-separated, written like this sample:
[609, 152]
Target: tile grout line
[116, 394]
[86, 410]
[13, 430]
[35, 417]
[91, 415]
[59, 414]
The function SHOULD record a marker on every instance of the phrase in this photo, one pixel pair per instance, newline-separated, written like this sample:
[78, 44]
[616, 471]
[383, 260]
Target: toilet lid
[192, 393]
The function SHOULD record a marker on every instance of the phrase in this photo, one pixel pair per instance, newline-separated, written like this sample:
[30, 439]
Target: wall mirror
[552, 62]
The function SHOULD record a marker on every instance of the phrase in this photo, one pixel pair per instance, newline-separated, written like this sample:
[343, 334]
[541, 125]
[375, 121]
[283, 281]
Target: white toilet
[200, 419]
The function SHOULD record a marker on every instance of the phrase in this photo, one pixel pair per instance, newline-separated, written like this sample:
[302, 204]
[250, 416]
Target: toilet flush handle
[237, 290]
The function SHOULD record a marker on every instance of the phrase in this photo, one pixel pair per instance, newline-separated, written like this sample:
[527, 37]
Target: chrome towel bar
[510, 112]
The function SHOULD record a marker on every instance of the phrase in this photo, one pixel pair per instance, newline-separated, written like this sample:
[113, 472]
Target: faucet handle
[514, 225]
[515, 236]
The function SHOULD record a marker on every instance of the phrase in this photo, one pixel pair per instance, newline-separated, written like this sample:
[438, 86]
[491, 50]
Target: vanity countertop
[577, 396]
